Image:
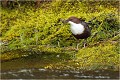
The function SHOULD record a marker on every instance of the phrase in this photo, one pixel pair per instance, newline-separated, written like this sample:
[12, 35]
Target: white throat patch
[76, 28]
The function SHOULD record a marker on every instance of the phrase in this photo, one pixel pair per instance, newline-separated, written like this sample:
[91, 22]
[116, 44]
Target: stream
[57, 74]
[33, 67]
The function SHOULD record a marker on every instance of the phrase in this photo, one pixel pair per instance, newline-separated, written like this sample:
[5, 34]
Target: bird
[79, 28]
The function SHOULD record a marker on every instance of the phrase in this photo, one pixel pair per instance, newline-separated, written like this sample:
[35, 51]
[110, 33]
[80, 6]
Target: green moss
[26, 28]
[103, 57]
[99, 57]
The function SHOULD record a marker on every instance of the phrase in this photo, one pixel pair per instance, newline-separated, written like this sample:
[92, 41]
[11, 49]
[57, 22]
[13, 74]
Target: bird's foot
[84, 45]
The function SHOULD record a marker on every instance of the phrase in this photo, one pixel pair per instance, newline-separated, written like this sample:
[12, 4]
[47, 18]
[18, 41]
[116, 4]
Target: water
[33, 67]
[42, 73]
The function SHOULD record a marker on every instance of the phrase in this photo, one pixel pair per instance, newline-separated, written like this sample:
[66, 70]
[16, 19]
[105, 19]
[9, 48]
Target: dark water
[58, 74]
[32, 67]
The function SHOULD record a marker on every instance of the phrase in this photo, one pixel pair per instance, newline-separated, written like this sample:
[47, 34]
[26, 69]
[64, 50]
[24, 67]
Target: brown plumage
[79, 28]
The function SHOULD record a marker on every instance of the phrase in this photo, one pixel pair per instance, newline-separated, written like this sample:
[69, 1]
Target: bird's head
[72, 20]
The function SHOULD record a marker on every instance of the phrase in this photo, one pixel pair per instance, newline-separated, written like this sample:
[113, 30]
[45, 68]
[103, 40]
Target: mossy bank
[39, 31]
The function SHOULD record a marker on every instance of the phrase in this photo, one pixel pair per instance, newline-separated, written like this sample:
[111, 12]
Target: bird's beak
[63, 21]
[66, 21]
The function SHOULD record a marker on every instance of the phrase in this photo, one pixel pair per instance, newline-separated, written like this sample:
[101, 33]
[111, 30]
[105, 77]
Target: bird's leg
[58, 44]
[84, 43]
[78, 44]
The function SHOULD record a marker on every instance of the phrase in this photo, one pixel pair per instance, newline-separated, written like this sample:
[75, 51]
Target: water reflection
[32, 67]
[58, 74]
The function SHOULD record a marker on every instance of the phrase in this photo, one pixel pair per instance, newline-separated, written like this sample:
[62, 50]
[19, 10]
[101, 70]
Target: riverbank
[37, 34]
[100, 56]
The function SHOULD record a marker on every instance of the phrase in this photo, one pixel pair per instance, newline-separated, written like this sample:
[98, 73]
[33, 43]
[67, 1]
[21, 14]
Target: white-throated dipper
[79, 28]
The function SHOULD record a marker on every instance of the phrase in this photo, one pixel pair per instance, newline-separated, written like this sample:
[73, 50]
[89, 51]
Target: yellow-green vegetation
[103, 56]
[38, 30]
